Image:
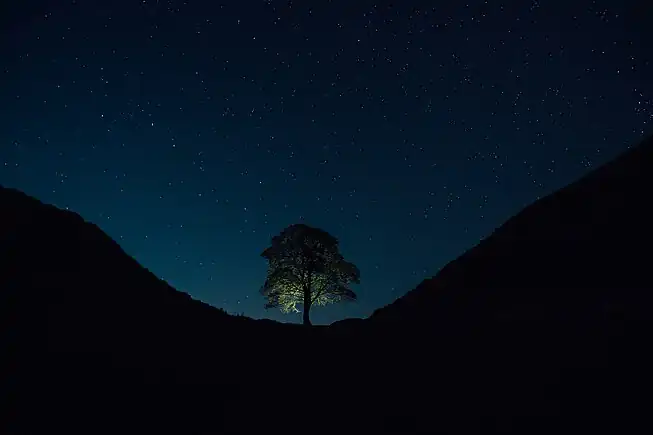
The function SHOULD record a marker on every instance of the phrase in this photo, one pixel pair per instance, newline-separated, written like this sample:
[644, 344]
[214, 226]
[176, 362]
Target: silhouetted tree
[305, 267]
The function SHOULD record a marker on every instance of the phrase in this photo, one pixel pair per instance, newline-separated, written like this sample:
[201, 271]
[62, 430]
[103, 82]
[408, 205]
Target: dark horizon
[193, 132]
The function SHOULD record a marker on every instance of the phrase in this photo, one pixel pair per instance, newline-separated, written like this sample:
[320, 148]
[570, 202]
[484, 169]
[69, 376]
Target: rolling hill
[543, 326]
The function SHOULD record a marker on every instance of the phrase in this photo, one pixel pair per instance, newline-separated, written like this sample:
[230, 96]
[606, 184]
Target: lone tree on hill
[305, 267]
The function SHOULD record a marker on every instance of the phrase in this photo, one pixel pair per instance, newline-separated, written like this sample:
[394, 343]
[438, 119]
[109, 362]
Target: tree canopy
[305, 267]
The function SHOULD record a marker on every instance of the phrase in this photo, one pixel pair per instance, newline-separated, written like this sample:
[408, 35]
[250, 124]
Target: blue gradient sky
[193, 131]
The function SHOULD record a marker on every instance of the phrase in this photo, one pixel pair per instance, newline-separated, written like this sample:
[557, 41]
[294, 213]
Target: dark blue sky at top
[193, 131]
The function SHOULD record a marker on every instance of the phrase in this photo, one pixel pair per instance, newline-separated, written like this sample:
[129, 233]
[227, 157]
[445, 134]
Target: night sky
[193, 131]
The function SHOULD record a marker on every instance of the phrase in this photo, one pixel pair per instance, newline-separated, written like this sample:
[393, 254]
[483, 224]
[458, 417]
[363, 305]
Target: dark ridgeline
[544, 327]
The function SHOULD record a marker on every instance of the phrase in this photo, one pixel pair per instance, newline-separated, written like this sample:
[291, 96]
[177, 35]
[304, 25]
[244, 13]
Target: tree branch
[319, 293]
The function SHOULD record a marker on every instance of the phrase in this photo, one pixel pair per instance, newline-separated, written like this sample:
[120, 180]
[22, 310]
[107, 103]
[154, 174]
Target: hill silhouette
[543, 326]
[548, 314]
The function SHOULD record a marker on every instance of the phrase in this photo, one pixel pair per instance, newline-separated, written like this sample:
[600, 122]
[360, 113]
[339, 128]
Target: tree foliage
[305, 267]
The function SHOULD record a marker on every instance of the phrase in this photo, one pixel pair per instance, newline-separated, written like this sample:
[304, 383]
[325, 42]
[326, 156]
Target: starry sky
[193, 131]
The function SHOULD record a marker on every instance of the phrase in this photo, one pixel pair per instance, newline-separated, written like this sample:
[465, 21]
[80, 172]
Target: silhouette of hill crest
[66, 246]
[561, 246]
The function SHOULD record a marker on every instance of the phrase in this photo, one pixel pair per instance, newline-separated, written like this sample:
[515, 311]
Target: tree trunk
[307, 306]
[307, 319]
